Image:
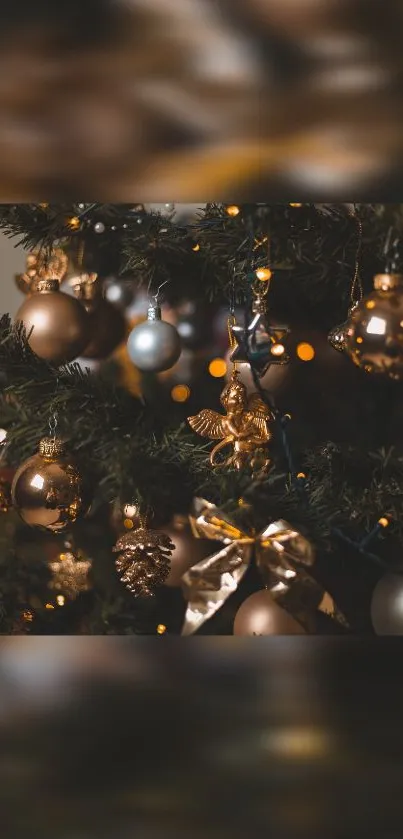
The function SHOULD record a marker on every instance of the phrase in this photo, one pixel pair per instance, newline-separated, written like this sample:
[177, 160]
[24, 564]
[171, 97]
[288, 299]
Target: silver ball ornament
[154, 346]
[387, 605]
[99, 227]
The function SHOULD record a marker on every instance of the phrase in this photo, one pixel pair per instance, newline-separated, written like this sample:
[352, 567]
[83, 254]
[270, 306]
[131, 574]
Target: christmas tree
[201, 420]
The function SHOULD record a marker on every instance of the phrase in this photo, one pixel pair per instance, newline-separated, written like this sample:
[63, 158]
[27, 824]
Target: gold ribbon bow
[282, 555]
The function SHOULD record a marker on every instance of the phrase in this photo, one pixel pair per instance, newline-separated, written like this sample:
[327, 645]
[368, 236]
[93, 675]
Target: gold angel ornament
[244, 429]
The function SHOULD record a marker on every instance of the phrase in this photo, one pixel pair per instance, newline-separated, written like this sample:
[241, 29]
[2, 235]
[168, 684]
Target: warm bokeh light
[383, 521]
[180, 393]
[196, 248]
[305, 351]
[370, 304]
[277, 349]
[295, 205]
[49, 606]
[161, 628]
[60, 600]
[217, 367]
[233, 210]
[263, 274]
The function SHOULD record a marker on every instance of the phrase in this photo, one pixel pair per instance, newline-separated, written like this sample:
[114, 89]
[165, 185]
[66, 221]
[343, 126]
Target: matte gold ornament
[70, 575]
[282, 556]
[144, 560]
[47, 490]
[107, 325]
[337, 336]
[244, 428]
[375, 331]
[259, 614]
[57, 325]
[42, 266]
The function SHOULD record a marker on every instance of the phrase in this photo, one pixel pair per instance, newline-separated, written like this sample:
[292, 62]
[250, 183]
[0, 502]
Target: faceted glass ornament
[338, 335]
[375, 331]
[47, 489]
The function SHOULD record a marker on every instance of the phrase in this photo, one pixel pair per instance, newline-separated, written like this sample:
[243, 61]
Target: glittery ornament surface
[144, 560]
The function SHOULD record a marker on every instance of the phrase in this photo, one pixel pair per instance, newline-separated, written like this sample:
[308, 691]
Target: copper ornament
[375, 331]
[144, 560]
[244, 428]
[107, 325]
[259, 614]
[57, 325]
[47, 490]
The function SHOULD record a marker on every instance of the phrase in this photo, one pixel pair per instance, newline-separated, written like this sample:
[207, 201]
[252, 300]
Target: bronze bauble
[387, 605]
[188, 550]
[260, 615]
[56, 324]
[47, 489]
[375, 331]
[107, 327]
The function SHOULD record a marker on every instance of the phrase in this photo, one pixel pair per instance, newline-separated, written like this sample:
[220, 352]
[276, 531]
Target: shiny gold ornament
[375, 330]
[56, 325]
[144, 560]
[42, 266]
[47, 490]
[70, 575]
[107, 325]
[282, 556]
[337, 336]
[233, 210]
[244, 428]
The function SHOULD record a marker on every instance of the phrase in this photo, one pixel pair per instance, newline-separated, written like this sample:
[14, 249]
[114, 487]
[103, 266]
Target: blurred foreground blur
[114, 738]
[192, 100]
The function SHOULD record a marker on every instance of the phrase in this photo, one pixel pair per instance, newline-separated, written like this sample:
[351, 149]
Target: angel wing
[209, 423]
[258, 414]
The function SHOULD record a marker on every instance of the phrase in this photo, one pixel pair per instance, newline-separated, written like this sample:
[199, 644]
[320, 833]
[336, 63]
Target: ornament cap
[154, 312]
[387, 282]
[52, 447]
[47, 285]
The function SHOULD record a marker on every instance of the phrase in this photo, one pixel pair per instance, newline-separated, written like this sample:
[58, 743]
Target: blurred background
[117, 738]
[220, 99]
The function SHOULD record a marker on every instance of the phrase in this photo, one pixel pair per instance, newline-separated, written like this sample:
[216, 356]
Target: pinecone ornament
[144, 560]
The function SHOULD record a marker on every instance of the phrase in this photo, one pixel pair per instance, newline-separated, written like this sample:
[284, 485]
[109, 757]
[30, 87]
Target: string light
[161, 629]
[305, 351]
[277, 349]
[49, 606]
[301, 475]
[180, 393]
[60, 600]
[233, 210]
[27, 616]
[263, 274]
[196, 248]
[295, 205]
[217, 368]
[384, 522]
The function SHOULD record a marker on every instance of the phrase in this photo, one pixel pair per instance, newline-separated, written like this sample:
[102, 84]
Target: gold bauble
[188, 550]
[57, 325]
[47, 490]
[375, 332]
[260, 615]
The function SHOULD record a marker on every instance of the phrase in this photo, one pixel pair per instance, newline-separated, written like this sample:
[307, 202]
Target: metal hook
[53, 423]
[155, 296]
